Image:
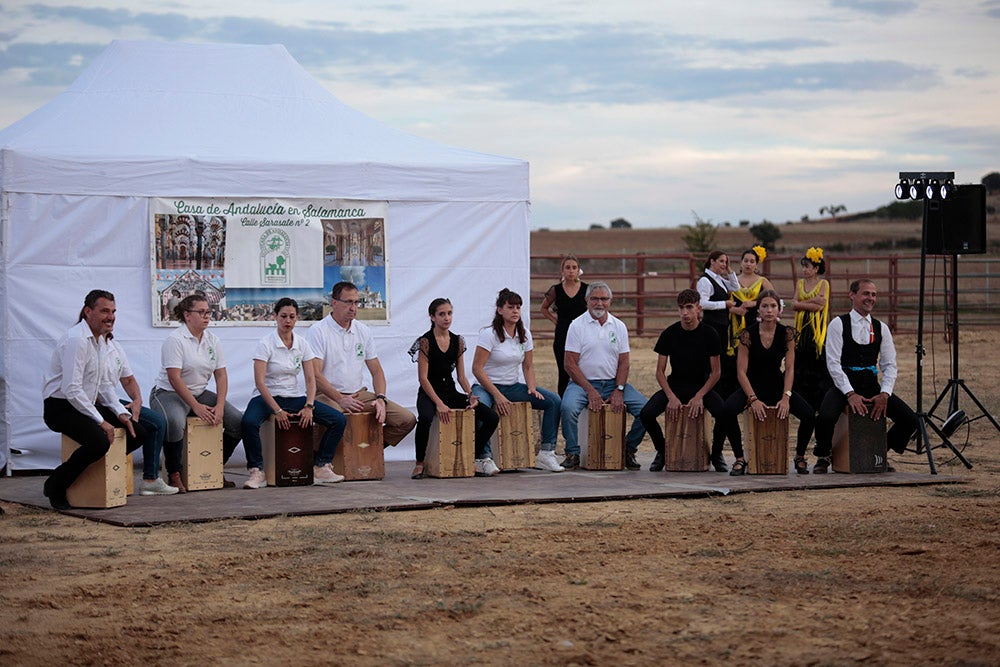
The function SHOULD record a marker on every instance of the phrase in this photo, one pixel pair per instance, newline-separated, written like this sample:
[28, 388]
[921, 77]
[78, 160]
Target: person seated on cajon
[692, 349]
[280, 362]
[344, 348]
[78, 400]
[763, 347]
[858, 347]
[597, 360]
[191, 357]
[439, 353]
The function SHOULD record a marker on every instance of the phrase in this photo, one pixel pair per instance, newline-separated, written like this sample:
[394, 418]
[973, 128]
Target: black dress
[440, 367]
[567, 309]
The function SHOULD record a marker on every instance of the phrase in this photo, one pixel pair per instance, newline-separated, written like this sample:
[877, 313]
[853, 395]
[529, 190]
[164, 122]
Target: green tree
[992, 181]
[699, 237]
[832, 209]
[766, 233]
[620, 223]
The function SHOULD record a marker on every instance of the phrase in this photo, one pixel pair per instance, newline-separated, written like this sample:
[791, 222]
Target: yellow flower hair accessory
[814, 255]
[761, 253]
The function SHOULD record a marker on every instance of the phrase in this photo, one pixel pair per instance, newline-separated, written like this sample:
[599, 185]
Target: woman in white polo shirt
[278, 370]
[503, 354]
[191, 356]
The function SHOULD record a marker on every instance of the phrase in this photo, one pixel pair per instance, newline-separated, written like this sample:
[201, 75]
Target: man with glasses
[344, 348]
[597, 360]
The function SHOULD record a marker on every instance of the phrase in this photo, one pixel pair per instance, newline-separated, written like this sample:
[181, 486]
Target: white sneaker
[257, 479]
[325, 475]
[156, 488]
[546, 460]
[486, 467]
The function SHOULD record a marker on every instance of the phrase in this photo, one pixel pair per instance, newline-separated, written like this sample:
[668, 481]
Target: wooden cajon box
[513, 443]
[103, 483]
[686, 448]
[288, 454]
[451, 449]
[360, 454]
[201, 456]
[859, 444]
[130, 482]
[767, 443]
[602, 439]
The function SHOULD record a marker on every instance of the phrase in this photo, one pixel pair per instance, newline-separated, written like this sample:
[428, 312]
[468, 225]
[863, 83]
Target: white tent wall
[76, 177]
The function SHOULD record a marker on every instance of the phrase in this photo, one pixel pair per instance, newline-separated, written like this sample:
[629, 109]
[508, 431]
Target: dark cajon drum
[513, 443]
[360, 454]
[687, 448]
[103, 483]
[451, 449]
[602, 439]
[288, 454]
[767, 443]
[201, 456]
[859, 444]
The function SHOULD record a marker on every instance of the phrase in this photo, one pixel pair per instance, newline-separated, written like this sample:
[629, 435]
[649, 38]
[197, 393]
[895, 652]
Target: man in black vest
[858, 348]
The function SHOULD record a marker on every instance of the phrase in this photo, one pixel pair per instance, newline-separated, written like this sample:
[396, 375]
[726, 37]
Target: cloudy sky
[642, 109]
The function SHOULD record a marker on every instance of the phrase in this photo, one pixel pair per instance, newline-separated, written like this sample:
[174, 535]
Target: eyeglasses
[600, 298]
[348, 302]
[203, 312]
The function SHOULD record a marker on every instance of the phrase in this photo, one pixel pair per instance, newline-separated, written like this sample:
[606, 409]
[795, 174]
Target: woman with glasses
[191, 357]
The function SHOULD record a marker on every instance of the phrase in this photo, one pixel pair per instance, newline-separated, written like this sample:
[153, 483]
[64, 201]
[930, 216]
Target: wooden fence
[646, 285]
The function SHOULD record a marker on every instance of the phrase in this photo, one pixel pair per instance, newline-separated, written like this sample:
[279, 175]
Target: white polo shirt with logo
[344, 352]
[598, 345]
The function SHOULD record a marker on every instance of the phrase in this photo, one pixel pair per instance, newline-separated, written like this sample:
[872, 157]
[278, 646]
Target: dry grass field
[884, 576]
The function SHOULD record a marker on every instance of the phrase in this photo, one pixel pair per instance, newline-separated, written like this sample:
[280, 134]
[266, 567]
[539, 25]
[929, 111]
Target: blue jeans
[518, 393]
[258, 411]
[574, 401]
[156, 427]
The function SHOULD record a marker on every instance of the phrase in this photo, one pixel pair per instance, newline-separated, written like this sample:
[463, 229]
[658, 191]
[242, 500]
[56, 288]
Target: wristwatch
[788, 393]
[620, 387]
[309, 405]
[378, 396]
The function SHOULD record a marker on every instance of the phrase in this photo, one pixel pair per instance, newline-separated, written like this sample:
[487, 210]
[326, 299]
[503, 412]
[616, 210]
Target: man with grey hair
[597, 360]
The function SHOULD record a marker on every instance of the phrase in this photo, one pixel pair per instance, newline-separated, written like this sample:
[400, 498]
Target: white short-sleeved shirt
[77, 373]
[343, 352]
[198, 361]
[116, 363]
[598, 345]
[504, 363]
[283, 376]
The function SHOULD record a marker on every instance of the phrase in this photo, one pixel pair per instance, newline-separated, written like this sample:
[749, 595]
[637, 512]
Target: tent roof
[168, 119]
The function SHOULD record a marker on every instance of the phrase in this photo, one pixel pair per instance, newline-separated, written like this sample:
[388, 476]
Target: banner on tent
[244, 254]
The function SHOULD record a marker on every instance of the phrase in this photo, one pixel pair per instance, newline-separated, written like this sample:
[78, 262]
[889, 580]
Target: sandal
[739, 468]
[418, 471]
[801, 465]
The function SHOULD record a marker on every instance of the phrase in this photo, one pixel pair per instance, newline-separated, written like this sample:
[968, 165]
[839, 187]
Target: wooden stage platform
[398, 492]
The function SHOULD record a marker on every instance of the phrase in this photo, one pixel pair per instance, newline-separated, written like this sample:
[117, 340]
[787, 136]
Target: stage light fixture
[903, 189]
[947, 189]
[931, 191]
[917, 189]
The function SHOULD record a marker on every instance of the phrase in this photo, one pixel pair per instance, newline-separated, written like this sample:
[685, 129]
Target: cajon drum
[130, 481]
[513, 443]
[767, 443]
[602, 439]
[687, 448]
[201, 456]
[859, 444]
[451, 449]
[288, 454]
[360, 454]
[103, 483]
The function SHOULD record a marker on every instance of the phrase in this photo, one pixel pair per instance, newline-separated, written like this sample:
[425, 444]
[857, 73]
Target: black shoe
[822, 465]
[739, 468]
[571, 462]
[630, 462]
[719, 463]
[657, 464]
[801, 465]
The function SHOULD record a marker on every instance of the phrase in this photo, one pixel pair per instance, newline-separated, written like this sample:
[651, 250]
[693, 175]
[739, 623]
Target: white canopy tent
[150, 120]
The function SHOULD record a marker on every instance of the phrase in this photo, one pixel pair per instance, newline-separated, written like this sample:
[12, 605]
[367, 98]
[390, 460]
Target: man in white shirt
[344, 348]
[858, 349]
[597, 360]
[78, 400]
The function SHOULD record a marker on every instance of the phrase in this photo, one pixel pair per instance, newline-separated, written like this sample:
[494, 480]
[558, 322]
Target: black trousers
[904, 422]
[60, 416]
[657, 404]
[797, 406]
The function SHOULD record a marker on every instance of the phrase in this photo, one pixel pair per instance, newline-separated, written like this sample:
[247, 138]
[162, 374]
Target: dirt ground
[873, 576]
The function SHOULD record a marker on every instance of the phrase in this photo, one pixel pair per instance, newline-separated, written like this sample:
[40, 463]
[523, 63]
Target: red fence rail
[645, 286]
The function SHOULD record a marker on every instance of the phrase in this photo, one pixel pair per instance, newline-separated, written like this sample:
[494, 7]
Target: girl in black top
[568, 296]
[438, 354]
[763, 383]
